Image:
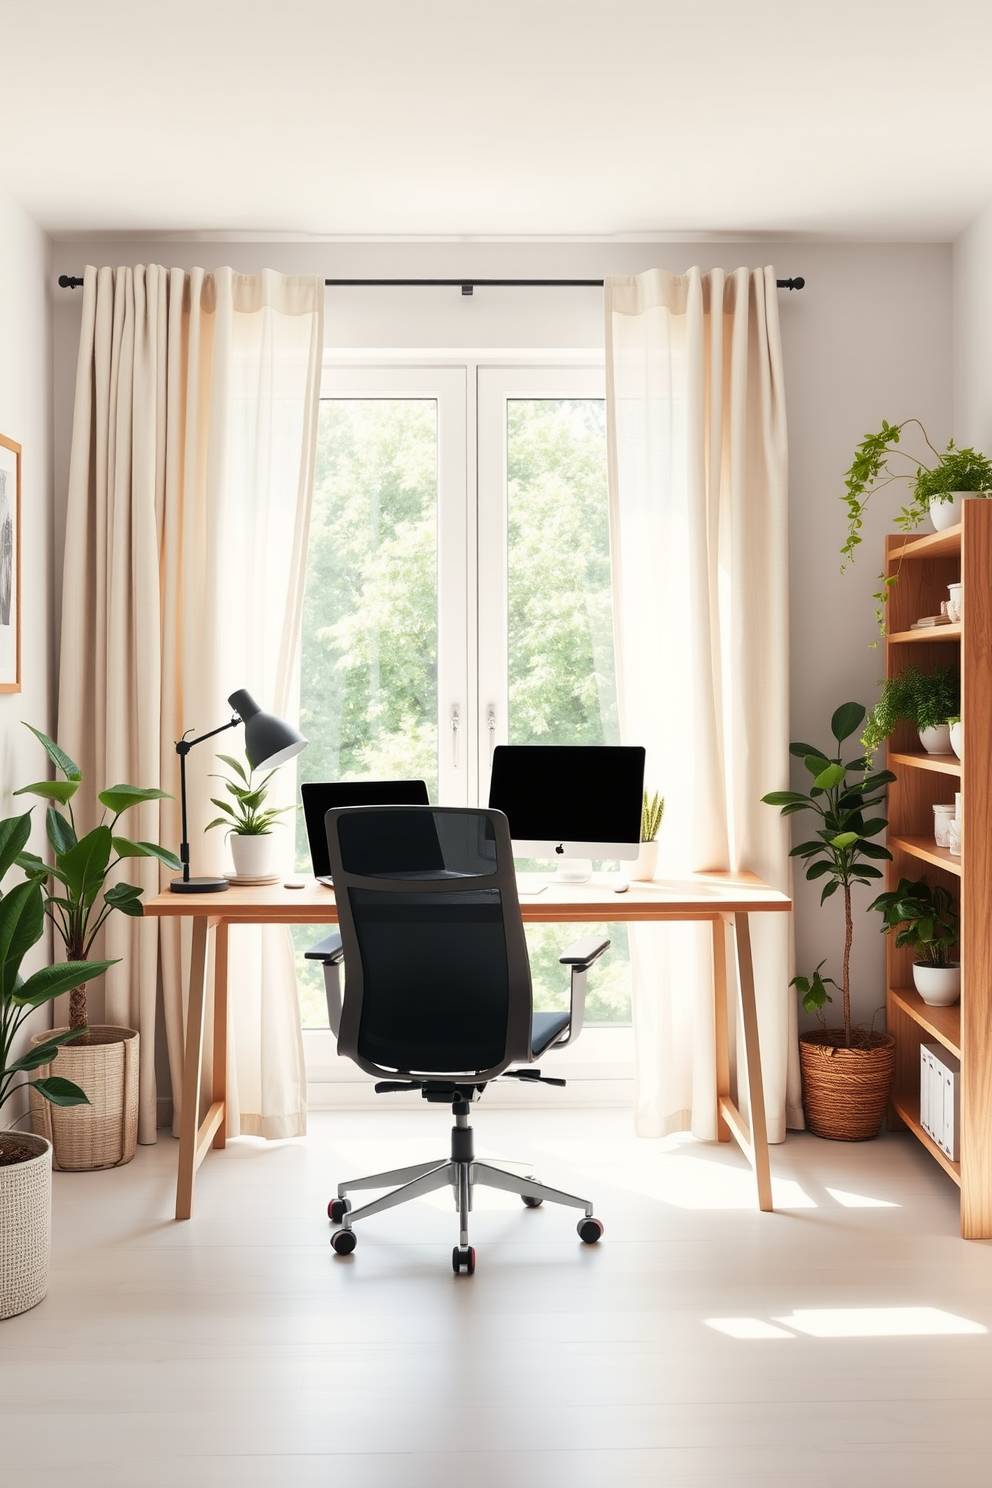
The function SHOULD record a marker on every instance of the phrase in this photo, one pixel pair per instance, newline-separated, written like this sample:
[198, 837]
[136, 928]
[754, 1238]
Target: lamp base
[199, 885]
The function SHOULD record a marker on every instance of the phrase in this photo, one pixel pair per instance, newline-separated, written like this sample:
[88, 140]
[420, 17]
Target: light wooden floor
[237, 1352]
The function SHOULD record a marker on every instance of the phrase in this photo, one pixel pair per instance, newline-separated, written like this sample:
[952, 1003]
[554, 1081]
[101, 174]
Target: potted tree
[925, 919]
[26, 1159]
[927, 700]
[652, 812]
[103, 1059]
[248, 820]
[846, 1071]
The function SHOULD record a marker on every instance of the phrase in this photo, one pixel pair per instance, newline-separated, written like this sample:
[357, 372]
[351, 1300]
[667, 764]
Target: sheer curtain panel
[191, 476]
[698, 493]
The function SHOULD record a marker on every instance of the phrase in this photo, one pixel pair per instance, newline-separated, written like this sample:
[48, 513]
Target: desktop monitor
[570, 802]
[321, 796]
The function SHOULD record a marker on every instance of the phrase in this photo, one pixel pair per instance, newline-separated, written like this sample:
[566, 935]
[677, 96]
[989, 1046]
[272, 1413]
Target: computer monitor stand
[573, 870]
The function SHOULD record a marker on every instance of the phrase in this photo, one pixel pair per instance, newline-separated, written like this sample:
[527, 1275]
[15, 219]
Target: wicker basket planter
[846, 1091]
[103, 1134]
[25, 1228]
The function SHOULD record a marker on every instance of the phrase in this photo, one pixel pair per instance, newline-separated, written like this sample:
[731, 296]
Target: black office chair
[437, 989]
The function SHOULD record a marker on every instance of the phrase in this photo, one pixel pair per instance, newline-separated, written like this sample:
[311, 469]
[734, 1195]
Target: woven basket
[103, 1134]
[25, 1229]
[846, 1091]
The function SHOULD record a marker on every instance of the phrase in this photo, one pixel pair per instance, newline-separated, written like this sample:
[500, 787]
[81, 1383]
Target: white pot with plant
[25, 1158]
[955, 730]
[248, 820]
[102, 1059]
[652, 812]
[927, 700]
[924, 919]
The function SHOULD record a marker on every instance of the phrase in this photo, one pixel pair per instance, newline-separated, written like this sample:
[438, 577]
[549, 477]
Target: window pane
[368, 686]
[562, 678]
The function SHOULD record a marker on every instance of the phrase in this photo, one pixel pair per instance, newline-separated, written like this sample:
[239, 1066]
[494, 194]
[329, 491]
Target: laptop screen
[320, 796]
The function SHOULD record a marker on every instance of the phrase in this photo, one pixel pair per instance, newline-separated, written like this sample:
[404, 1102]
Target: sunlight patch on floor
[878, 1322]
[860, 1201]
[746, 1327]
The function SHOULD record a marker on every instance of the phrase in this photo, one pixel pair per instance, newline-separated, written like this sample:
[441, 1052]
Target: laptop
[319, 797]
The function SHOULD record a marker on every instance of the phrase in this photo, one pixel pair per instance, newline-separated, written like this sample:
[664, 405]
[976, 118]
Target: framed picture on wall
[10, 565]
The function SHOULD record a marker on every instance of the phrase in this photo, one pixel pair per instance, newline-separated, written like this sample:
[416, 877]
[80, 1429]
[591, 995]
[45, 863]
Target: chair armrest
[328, 949]
[580, 957]
[329, 952]
[584, 952]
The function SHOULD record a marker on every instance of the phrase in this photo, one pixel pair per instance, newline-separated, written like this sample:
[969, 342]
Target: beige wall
[868, 338]
[26, 416]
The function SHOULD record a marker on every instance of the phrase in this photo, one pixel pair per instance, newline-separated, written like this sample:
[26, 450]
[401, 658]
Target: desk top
[703, 896]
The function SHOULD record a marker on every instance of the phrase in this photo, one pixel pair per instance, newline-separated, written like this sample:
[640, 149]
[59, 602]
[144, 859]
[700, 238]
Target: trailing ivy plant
[872, 469]
[925, 699]
[842, 852]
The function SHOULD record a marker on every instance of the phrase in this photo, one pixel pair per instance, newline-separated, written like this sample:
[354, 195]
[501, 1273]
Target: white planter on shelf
[644, 869]
[936, 740]
[939, 986]
[254, 856]
[956, 731]
[947, 513]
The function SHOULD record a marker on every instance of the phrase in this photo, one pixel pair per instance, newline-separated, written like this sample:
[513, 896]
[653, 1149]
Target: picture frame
[10, 565]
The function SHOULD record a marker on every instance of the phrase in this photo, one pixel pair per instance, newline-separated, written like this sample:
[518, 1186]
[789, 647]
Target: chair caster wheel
[343, 1242]
[589, 1230]
[337, 1209]
[531, 1202]
[463, 1259]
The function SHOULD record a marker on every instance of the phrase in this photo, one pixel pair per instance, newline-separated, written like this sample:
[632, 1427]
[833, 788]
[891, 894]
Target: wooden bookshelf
[925, 566]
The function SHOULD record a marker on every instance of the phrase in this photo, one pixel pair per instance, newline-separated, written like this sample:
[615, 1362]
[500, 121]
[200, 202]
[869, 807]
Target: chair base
[463, 1172]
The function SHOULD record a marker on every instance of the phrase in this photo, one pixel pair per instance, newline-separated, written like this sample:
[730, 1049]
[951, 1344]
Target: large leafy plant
[926, 699]
[22, 920]
[842, 852]
[80, 902]
[923, 916]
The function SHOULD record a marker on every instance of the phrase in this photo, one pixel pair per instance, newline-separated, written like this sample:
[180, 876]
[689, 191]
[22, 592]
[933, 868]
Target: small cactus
[652, 811]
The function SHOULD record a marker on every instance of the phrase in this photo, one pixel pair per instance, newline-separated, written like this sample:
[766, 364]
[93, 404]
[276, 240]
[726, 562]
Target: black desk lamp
[268, 741]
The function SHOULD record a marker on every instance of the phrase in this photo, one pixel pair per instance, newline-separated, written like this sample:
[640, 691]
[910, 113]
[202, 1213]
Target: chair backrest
[437, 979]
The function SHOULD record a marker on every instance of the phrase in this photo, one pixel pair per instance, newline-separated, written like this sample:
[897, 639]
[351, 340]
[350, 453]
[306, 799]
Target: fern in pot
[927, 700]
[26, 1158]
[248, 820]
[102, 1058]
[847, 1071]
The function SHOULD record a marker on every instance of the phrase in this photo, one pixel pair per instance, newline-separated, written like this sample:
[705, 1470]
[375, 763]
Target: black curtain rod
[467, 286]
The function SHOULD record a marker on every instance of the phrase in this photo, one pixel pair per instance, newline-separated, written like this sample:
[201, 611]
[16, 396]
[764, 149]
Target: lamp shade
[269, 741]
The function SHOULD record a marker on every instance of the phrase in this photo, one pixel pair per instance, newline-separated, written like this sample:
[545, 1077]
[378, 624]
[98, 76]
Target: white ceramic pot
[947, 513]
[954, 602]
[254, 857]
[643, 870]
[939, 986]
[936, 740]
[25, 1227]
[956, 731]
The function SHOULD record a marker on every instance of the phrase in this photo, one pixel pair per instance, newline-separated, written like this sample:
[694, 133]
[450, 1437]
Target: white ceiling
[850, 118]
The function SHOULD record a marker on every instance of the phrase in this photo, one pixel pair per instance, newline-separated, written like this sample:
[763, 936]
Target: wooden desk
[721, 898]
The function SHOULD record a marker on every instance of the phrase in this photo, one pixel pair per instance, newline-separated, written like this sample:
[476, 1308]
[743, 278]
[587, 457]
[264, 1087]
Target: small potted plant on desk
[101, 1058]
[25, 1158]
[847, 1072]
[652, 812]
[249, 821]
[927, 700]
[925, 919]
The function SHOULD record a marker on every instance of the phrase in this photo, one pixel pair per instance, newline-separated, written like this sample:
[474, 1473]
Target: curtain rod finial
[66, 281]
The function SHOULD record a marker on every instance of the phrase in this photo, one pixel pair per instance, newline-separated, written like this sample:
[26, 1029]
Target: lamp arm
[183, 747]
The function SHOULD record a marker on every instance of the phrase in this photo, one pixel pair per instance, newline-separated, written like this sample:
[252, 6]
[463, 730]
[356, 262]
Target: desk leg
[720, 1026]
[752, 1052]
[192, 1061]
[220, 1029]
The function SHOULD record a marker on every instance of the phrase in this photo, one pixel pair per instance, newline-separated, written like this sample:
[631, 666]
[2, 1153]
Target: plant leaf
[119, 797]
[235, 765]
[126, 898]
[60, 832]
[60, 1092]
[14, 833]
[830, 777]
[51, 790]
[58, 756]
[85, 865]
[52, 981]
[846, 720]
[22, 922]
[44, 1053]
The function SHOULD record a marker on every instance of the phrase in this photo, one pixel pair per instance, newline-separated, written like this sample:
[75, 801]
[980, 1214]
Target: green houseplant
[924, 919]
[25, 1159]
[248, 820]
[652, 812]
[927, 700]
[839, 1065]
[78, 901]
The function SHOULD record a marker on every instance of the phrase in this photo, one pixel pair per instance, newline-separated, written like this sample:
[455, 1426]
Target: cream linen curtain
[190, 483]
[698, 492]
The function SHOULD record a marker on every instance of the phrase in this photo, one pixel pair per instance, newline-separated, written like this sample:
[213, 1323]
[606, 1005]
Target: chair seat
[546, 1027]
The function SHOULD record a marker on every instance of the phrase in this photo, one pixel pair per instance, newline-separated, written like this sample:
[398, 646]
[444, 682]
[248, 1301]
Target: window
[458, 595]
